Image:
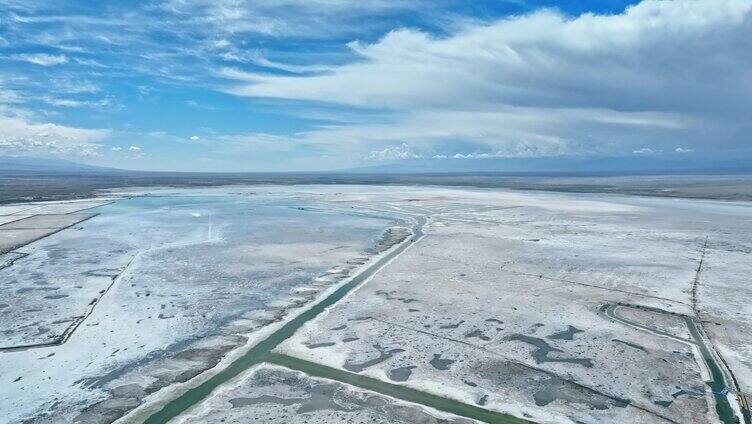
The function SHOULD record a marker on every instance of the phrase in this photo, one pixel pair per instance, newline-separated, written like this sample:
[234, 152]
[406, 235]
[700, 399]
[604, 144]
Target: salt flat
[499, 305]
[155, 289]
[24, 223]
[502, 303]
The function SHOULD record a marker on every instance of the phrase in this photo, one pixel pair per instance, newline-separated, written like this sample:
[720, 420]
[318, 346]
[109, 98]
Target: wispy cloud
[73, 103]
[646, 151]
[42, 59]
[682, 150]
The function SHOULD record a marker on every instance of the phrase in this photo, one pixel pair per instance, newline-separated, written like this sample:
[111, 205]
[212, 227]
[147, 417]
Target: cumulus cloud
[42, 59]
[22, 131]
[403, 151]
[20, 136]
[547, 84]
[134, 148]
[683, 150]
[194, 137]
[116, 149]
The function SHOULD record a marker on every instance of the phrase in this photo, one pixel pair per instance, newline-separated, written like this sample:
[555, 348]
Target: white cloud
[403, 151]
[42, 59]
[9, 96]
[116, 149]
[646, 151]
[63, 102]
[311, 18]
[23, 131]
[75, 87]
[90, 62]
[134, 148]
[545, 83]
[20, 136]
[683, 150]
[194, 137]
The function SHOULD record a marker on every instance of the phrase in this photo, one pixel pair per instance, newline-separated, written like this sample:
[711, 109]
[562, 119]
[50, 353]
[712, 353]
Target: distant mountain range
[557, 166]
[34, 164]
[553, 166]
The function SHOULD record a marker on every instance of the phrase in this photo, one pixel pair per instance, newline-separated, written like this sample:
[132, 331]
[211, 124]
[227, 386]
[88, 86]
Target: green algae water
[262, 352]
[394, 390]
[718, 381]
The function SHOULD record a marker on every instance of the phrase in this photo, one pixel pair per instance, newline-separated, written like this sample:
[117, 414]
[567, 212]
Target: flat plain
[425, 304]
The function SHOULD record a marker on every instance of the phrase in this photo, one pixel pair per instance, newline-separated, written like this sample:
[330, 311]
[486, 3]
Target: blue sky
[325, 84]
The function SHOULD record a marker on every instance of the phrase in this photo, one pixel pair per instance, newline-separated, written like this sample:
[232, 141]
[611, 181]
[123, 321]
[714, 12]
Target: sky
[300, 85]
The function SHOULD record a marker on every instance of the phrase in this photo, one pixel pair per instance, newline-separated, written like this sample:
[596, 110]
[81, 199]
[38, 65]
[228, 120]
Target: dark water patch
[341, 327]
[321, 398]
[483, 400]
[680, 392]
[317, 345]
[129, 391]
[663, 403]
[360, 318]
[262, 352]
[384, 355]
[390, 296]
[56, 296]
[630, 344]
[543, 349]
[350, 339]
[470, 383]
[567, 334]
[398, 391]
[441, 364]
[103, 272]
[477, 334]
[241, 402]
[451, 326]
[555, 388]
[28, 289]
[495, 320]
[401, 373]
[543, 387]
